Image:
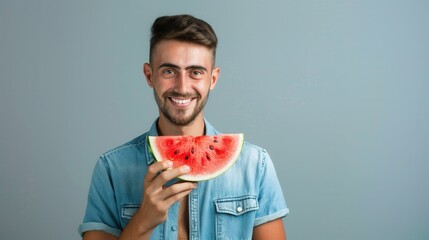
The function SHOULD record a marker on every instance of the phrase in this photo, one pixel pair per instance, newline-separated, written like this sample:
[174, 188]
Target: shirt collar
[153, 131]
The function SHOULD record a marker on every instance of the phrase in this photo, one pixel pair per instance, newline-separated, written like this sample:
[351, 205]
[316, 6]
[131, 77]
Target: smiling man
[130, 196]
[182, 75]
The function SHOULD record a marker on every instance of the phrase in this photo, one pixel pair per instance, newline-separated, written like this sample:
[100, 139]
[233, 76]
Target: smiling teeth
[180, 101]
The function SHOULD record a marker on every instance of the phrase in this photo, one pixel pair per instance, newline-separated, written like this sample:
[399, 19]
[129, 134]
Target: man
[130, 195]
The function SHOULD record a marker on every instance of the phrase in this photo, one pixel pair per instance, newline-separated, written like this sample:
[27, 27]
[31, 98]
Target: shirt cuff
[96, 226]
[280, 214]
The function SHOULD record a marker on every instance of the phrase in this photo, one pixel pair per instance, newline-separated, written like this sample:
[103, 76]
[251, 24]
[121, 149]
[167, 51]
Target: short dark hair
[183, 28]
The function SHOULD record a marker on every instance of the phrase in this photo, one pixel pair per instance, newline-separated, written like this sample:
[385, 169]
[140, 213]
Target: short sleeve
[272, 204]
[101, 212]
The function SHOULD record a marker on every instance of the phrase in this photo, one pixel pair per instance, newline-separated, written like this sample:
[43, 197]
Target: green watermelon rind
[202, 177]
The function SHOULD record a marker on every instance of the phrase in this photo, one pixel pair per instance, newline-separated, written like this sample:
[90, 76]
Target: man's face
[181, 75]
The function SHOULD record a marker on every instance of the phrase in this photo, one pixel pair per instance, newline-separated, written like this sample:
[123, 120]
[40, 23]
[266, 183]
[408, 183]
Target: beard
[178, 116]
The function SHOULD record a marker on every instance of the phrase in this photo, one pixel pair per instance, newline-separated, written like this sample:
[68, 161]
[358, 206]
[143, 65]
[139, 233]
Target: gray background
[335, 90]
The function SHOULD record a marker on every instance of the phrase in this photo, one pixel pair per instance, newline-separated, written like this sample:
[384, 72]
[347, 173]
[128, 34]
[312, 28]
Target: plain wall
[336, 91]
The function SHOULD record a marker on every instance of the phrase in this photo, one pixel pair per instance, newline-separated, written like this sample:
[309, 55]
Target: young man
[129, 197]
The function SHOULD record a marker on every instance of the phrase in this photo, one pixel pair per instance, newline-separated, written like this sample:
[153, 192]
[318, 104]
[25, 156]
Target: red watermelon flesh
[207, 156]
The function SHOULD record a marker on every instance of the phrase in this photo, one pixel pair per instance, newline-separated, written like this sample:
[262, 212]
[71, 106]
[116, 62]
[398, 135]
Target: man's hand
[157, 199]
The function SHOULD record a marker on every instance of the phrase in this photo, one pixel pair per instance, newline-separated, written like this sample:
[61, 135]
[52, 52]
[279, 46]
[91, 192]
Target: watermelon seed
[211, 147]
[192, 150]
[215, 141]
[176, 152]
[186, 157]
[208, 157]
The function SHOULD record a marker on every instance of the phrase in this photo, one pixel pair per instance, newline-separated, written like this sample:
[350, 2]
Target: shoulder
[129, 149]
[124, 161]
[254, 152]
[252, 147]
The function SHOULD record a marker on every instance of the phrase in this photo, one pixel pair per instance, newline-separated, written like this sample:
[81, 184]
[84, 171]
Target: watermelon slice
[207, 156]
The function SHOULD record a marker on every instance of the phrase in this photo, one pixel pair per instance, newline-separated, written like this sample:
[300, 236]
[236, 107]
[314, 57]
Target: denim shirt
[226, 207]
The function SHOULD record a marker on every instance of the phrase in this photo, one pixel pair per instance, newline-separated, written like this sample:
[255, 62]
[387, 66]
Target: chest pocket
[235, 217]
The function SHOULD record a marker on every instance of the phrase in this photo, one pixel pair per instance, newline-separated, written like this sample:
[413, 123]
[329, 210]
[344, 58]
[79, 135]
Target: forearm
[136, 229]
[270, 230]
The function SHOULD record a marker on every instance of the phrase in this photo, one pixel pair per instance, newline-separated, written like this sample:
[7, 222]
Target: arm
[157, 199]
[271, 202]
[270, 230]
[98, 235]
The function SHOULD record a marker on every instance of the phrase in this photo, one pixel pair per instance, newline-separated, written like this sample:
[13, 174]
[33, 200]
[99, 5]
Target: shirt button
[174, 227]
[239, 209]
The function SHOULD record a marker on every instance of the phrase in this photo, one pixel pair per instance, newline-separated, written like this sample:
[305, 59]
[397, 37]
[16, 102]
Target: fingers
[157, 167]
[174, 198]
[173, 173]
[157, 199]
[157, 179]
[175, 191]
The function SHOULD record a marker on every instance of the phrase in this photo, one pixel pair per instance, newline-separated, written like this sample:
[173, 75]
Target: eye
[168, 73]
[197, 74]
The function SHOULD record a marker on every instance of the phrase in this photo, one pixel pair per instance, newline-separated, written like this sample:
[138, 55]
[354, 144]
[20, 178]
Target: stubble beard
[178, 117]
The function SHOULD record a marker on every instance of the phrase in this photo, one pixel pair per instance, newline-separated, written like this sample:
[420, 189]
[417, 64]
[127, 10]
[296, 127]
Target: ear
[147, 71]
[214, 78]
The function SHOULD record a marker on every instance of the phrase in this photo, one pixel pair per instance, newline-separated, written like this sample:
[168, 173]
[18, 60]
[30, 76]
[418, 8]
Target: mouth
[180, 101]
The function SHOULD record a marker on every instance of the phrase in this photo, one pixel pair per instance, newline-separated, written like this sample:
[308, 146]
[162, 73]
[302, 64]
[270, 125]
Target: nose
[182, 82]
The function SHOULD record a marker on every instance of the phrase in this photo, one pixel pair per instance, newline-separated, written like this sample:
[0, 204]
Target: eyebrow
[170, 65]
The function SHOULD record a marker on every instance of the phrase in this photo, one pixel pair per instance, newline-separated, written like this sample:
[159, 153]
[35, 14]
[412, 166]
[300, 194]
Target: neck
[167, 128]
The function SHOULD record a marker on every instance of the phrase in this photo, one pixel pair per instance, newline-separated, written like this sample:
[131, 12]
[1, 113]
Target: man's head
[181, 69]
[183, 28]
